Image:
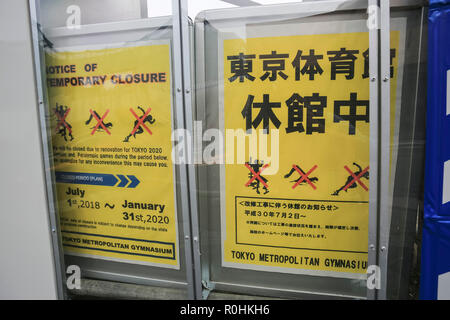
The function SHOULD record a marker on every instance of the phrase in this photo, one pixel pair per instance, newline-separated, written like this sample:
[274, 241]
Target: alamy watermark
[230, 146]
[73, 280]
[373, 277]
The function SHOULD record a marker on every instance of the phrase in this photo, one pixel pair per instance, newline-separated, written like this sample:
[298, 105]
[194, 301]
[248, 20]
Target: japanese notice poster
[111, 121]
[310, 214]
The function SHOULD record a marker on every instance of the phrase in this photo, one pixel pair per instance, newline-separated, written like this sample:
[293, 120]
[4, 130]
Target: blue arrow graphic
[97, 179]
[123, 180]
[134, 182]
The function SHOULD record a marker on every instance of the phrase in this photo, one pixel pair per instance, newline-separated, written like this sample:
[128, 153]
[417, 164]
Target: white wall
[26, 261]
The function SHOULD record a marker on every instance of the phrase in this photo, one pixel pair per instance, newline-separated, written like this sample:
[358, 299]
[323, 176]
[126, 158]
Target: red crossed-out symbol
[62, 121]
[256, 175]
[140, 121]
[356, 178]
[100, 122]
[304, 176]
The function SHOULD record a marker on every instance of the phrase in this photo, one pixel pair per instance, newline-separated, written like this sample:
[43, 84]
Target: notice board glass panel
[407, 173]
[110, 112]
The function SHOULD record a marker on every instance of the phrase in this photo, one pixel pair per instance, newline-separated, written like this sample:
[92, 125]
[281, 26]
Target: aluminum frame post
[187, 171]
[385, 146]
[55, 235]
[373, 9]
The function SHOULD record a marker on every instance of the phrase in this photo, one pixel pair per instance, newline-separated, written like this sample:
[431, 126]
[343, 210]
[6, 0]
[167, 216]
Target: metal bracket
[207, 287]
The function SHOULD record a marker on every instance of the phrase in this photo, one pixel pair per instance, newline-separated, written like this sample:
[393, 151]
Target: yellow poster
[308, 208]
[110, 114]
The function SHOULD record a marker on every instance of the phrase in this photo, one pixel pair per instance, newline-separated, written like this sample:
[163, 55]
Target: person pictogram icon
[302, 179]
[63, 128]
[139, 123]
[354, 179]
[256, 179]
[99, 127]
